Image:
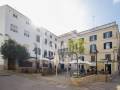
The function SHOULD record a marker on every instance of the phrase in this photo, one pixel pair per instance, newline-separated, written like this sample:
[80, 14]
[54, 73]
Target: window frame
[91, 48]
[110, 45]
[107, 34]
[93, 38]
[38, 40]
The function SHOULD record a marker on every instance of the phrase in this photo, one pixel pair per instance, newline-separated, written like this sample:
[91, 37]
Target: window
[45, 54]
[39, 51]
[108, 56]
[15, 16]
[82, 58]
[50, 54]
[50, 43]
[35, 50]
[93, 48]
[38, 38]
[55, 46]
[45, 33]
[38, 30]
[55, 39]
[27, 22]
[26, 33]
[62, 43]
[13, 28]
[108, 45]
[107, 34]
[50, 36]
[82, 66]
[92, 58]
[93, 38]
[46, 41]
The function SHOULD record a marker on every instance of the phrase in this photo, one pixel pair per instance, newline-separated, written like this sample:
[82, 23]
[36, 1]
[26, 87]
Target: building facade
[16, 26]
[103, 39]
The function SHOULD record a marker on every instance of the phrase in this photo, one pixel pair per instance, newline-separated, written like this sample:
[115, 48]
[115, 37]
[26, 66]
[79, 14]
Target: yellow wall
[100, 46]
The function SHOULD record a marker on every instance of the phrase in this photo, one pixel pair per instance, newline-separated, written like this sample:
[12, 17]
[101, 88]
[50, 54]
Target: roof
[98, 28]
[69, 33]
[90, 30]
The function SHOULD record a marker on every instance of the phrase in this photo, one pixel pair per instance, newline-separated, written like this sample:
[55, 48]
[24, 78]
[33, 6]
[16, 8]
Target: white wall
[6, 19]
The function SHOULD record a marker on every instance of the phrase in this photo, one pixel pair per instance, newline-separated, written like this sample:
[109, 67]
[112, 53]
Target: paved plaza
[37, 82]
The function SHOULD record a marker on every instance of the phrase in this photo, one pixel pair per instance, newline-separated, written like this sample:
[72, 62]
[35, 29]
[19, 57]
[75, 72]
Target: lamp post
[36, 52]
[96, 61]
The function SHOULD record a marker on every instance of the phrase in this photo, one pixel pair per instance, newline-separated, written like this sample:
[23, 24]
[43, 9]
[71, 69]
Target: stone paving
[38, 82]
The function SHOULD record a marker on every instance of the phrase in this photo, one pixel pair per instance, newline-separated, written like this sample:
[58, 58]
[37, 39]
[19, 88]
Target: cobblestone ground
[24, 82]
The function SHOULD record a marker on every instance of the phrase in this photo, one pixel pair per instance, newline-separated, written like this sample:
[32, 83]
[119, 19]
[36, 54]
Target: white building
[18, 27]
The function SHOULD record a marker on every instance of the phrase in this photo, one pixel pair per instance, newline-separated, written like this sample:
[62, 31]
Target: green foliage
[70, 45]
[76, 46]
[13, 51]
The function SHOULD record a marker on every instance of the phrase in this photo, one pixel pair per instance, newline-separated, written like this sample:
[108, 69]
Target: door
[108, 68]
[11, 64]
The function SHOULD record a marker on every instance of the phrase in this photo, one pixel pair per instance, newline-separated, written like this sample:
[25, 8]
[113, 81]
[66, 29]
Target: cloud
[116, 1]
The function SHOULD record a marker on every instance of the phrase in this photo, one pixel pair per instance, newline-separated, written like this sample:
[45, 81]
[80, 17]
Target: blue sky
[104, 10]
[61, 16]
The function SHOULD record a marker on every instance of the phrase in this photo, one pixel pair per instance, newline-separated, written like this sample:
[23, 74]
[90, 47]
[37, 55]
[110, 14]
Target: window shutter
[104, 45]
[90, 48]
[95, 37]
[104, 35]
[90, 38]
[111, 34]
[110, 44]
[95, 47]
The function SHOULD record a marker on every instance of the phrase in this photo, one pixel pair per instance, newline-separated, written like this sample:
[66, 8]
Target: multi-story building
[103, 39]
[49, 43]
[18, 27]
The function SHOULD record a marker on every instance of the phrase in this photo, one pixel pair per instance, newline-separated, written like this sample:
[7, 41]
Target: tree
[76, 47]
[13, 52]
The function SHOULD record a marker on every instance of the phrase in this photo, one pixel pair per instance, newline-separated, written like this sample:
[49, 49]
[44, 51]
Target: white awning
[75, 62]
[91, 63]
[45, 59]
[83, 62]
[62, 62]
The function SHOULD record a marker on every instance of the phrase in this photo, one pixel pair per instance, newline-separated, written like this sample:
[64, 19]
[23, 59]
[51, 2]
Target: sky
[61, 16]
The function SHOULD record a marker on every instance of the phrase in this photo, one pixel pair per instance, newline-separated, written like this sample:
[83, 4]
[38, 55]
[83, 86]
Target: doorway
[108, 68]
[11, 64]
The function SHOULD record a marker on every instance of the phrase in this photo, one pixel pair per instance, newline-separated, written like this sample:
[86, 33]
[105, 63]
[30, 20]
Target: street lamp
[56, 63]
[96, 60]
[36, 52]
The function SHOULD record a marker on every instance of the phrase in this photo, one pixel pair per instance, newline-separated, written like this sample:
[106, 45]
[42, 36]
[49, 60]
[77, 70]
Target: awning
[46, 59]
[75, 62]
[83, 62]
[91, 63]
[62, 62]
